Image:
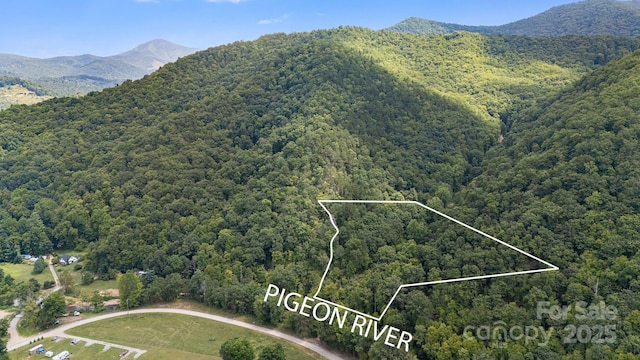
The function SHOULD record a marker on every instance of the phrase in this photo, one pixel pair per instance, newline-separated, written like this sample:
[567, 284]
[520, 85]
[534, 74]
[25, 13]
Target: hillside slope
[17, 91]
[585, 18]
[566, 183]
[72, 75]
[206, 174]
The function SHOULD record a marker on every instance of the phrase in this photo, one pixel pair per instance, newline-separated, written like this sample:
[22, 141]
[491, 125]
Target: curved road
[13, 325]
[18, 341]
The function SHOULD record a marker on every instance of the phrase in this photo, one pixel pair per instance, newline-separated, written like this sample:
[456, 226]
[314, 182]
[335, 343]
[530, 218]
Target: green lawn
[22, 272]
[77, 275]
[174, 336]
[99, 285]
[78, 351]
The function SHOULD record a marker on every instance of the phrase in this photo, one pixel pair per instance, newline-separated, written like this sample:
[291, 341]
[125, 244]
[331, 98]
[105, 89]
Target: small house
[65, 259]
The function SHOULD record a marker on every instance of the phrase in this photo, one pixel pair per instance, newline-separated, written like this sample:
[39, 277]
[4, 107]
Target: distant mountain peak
[155, 53]
[158, 45]
[71, 75]
[588, 17]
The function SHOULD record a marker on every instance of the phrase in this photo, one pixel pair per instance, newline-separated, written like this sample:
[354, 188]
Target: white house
[65, 259]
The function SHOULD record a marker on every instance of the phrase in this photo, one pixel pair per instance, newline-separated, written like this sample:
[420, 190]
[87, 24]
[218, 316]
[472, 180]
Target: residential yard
[78, 351]
[100, 285]
[174, 336]
[76, 275]
[22, 272]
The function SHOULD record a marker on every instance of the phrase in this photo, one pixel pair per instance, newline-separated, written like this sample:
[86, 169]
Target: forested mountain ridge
[206, 174]
[73, 75]
[565, 183]
[586, 18]
[492, 75]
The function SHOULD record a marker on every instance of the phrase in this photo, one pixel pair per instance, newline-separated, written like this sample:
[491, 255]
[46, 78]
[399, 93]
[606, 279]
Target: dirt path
[54, 273]
[18, 341]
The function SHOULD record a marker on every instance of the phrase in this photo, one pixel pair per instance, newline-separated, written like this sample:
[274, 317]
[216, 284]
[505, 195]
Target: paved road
[13, 330]
[88, 342]
[16, 342]
[54, 273]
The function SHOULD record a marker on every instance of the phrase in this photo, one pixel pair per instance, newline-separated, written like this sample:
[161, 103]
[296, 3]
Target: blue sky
[46, 28]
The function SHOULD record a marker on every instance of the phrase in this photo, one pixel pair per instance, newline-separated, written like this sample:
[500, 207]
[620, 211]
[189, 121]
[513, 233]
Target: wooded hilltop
[206, 174]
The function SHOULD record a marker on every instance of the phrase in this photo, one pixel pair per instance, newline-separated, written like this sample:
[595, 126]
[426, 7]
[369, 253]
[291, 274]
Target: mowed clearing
[22, 272]
[174, 336]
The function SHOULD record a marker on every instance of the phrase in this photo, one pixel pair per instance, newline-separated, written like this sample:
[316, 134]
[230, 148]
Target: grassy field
[97, 285]
[100, 285]
[78, 351]
[22, 272]
[75, 274]
[173, 336]
[16, 94]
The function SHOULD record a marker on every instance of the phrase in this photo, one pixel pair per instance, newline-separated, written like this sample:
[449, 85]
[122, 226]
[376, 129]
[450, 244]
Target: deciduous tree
[272, 352]
[130, 288]
[237, 349]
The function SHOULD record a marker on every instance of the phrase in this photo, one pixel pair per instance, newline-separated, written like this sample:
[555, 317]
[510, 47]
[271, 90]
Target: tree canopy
[585, 18]
[205, 177]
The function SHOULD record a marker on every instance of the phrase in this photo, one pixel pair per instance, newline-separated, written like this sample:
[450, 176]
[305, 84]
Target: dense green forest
[583, 18]
[206, 174]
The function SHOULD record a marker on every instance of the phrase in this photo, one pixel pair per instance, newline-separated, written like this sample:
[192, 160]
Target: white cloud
[274, 20]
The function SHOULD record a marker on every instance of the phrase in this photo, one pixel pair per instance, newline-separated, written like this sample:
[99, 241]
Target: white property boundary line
[551, 267]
